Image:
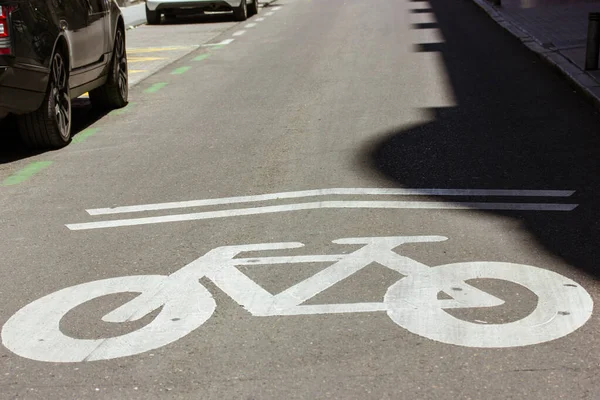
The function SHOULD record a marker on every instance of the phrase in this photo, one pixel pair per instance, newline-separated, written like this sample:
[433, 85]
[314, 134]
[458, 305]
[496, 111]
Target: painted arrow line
[332, 192]
[322, 205]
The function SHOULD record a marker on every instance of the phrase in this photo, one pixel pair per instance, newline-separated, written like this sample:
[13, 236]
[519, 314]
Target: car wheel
[253, 8]
[115, 92]
[50, 125]
[241, 13]
[171, 18]
[153, 17]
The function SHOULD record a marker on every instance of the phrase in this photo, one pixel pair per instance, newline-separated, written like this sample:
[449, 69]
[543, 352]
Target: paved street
[330, 200]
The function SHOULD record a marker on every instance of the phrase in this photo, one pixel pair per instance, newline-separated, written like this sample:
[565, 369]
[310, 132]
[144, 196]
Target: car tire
[115, 92]
[152, 17]
[50, 125]
[171, 18]
[241, 13]
[253, 8]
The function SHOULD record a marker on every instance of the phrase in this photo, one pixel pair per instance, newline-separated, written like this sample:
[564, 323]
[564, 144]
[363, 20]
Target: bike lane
[287, 162]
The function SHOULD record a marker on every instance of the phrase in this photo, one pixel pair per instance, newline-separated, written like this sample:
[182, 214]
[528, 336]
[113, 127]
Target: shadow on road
[214, 18]
[517, 125]
[13, 149]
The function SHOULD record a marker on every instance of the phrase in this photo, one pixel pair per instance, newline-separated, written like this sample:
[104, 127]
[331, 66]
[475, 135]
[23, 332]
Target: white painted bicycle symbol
[412, 302]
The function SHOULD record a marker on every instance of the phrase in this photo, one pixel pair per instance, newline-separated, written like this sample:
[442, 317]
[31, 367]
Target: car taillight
[4, 34]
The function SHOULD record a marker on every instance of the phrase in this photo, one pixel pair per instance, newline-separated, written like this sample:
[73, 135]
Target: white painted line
[276, 8]
[269, 14]
[250, 25]
[422, 18]
[334, 308]
[223, 43]
[288, 260]
[427, 36]
[332, 192]
[419, 5]
[259, 19]
[239, 33]
[323, 205]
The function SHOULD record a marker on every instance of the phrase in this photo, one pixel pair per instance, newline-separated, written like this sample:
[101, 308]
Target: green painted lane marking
[84, 134]
[27, 172]
[202, 57]
[156, 87]
[180, 70]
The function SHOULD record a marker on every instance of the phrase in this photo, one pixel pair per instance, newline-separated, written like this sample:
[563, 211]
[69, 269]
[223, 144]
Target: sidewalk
[556, 30]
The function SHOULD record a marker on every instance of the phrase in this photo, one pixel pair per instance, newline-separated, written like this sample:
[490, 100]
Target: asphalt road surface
[335, 199]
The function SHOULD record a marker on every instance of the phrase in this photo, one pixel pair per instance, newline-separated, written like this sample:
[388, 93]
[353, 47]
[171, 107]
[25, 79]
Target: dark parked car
[52, 51]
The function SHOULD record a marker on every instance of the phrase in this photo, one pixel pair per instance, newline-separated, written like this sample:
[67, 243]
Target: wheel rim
[121, 65]
[60, 94]
[244, 8]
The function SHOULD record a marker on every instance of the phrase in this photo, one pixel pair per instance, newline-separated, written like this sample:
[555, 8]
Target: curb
[267, 3]
[135, 24]
[583, 82]
[139, 22]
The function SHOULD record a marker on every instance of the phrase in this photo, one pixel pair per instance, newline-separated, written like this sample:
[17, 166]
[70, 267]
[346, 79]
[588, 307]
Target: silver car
[155, 9]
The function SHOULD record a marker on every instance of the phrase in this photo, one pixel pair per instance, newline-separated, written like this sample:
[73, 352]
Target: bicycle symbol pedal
[412, 302]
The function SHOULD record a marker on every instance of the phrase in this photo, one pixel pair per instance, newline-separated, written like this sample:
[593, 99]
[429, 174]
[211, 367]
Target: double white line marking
[331, 204]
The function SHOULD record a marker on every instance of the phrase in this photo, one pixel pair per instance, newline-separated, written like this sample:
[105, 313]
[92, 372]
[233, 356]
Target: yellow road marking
[142, 59]
[158, 49]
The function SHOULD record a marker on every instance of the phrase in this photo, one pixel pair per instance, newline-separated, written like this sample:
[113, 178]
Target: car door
[97, 29]
[85, 26]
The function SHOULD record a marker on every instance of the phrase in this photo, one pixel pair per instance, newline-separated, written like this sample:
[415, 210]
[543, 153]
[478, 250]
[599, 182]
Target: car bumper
[21, 90]
[207, 5]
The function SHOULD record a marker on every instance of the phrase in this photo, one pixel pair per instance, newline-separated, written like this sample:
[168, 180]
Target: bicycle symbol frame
[412, 302]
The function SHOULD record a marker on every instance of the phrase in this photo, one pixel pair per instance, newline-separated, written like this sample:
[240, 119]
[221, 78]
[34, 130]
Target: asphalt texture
[317, 95]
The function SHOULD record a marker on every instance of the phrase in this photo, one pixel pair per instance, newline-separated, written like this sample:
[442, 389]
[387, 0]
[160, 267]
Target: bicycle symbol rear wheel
[563, 306]
[34, 331]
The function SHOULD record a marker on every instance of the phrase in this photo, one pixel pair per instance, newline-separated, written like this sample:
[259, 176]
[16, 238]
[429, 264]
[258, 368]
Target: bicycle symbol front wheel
[563, 306]
[34, 331]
